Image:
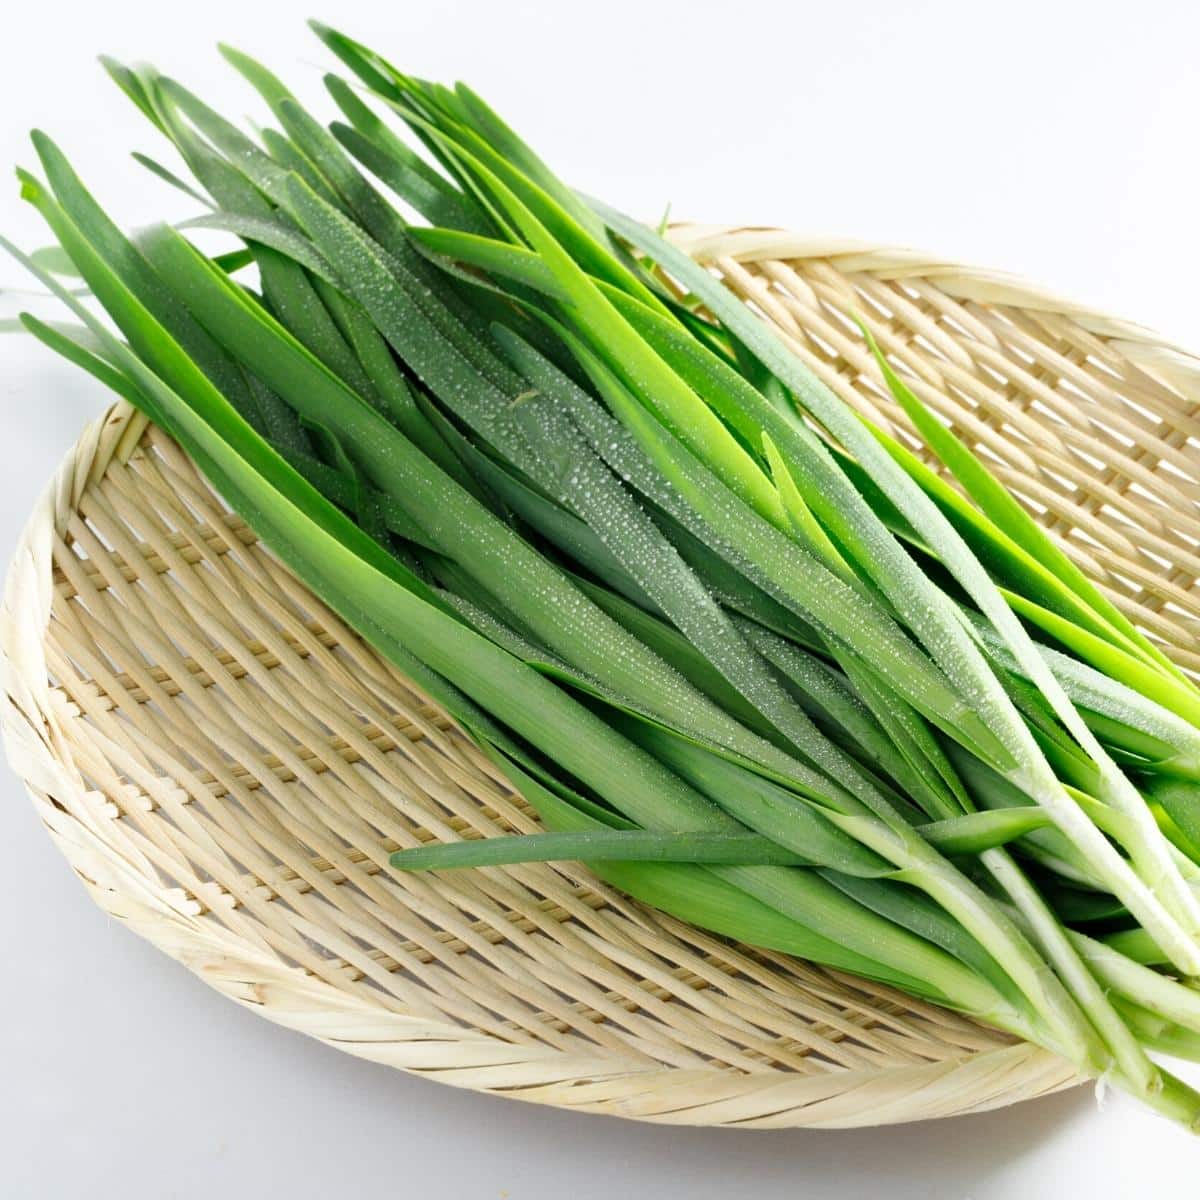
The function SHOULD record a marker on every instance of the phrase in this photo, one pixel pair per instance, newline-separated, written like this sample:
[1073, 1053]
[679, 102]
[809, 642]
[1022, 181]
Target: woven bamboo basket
[226, 766]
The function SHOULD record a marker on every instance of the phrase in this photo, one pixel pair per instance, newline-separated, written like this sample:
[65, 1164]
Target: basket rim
[708, 243]
[32, 715]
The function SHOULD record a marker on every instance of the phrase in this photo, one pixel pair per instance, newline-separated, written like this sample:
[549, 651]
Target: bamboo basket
[226, 766]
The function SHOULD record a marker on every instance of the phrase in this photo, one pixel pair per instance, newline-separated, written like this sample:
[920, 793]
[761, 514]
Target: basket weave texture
[226, 766]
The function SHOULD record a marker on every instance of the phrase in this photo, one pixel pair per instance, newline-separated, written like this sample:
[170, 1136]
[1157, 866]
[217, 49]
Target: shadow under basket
[227, 766]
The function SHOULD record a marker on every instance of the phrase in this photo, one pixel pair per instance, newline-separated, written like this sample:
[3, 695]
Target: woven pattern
[227, 766]
[1092, 421]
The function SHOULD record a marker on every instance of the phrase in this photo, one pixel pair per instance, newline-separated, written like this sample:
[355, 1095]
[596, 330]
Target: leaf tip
[863, 328]
[31, 187]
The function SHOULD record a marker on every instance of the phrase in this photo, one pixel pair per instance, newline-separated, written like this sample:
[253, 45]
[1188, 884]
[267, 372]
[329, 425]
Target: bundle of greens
[744, 653]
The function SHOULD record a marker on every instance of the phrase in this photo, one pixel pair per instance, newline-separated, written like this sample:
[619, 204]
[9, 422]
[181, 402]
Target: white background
[1058, 140]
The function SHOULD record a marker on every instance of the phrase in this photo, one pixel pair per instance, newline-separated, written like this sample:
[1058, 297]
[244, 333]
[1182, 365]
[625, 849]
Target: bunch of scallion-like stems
[743, 652]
